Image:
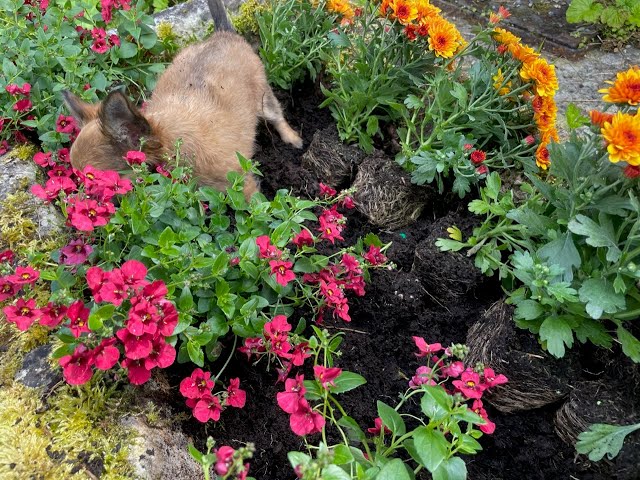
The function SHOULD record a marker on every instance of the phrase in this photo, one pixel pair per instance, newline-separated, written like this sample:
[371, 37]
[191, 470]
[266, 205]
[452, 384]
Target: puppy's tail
[219, 15]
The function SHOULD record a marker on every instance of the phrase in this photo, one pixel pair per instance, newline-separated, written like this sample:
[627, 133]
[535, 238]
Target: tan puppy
[211, 97]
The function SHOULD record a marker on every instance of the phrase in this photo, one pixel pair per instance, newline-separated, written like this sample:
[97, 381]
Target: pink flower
[299, 354]
[134, 273]
[7, 288]
[75, 252]
[252, 346]
[378, 427]
[282, 271]
[23, 313]
[303, 238]
[134, 157]
[78, 314]
[106, 355]
[4, 147]
[24, 276]
[136, 347]
[23, 105]
[7, 256]
[224, 459]
[469, 384]
[136, 371]
[326, 376]
[114, 289]
[162, 354]
[424, 348]
[330, 230]
[278, 325]
[65, 124]
[305, 421]
[289, 400]
[491, 380]
[114, 40]
[236, 397]
[326, 190]
[207, 408]
[197, 385]
[169, 318]
[529, 140]
[374, 256]
[43, 159]
[453, 370]
[347, 202]
[266, 249]
[489, 427]
[76, 368]
[478, 156]
[87, 214]
[52, 315]
[423, 376]
[100, 45]
[143, 317]
[482, 170]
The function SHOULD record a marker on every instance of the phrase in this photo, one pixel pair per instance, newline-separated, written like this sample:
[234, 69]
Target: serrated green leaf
[575, 118]
[602, 439]
[598, 234]
[600, 297]
[563, 252]
[557, 333]
[529, 310]
[583, 11]
[630, 344]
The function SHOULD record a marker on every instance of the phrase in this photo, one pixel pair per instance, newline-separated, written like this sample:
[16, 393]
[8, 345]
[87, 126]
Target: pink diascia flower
[22, 314]
[135, 157]
[196, 385]
[282, 271]
[424, 348]
[267, 250]
[489, 427]
[326, 191]
[326, 376]
[75, 252]
[374, 256]
[469, 385]
[236, 397]
[305, 421]
[303, 238]
[76, 368]
[378, 428]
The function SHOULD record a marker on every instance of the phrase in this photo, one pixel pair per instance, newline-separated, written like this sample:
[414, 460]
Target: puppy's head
[108, 130]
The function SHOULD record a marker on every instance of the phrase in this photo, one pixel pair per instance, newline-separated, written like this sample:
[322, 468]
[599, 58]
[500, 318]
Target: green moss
[245, 21]
[24, 152]
[165, 32]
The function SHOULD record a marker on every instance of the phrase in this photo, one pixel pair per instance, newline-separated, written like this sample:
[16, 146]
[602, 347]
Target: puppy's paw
[295, 140]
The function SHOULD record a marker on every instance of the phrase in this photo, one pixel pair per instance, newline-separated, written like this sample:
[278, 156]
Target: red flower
[347, 202]
[52, 315]
[326, 376]
[114, 40]
[207, 408]
[326, 190]
[478, 156]
[136, 347]
[134, 157]
[278, 325]
[305, 421]
[143, 317]
[330, 231]
[299, 354]
[43, 159]
[24, 276]
[236, 397]
[169, 318]
[289, 400]
[106, 355]
[453, 370]
[424, 348]
[133, 273]
[378, 427]
[224, 459]
[76, 368]
[136, 371]
[7, 288]
[410, 31]
[482, 170]
[631, 171]
[282, 271]
[78, 314]
[23, 105]
[162, 354]
[489, 427]
[303, 238]
[7, 256]
[53, 187]
[65, 124]
[529, 140]
[114, 289]
[423, 376]
[252, 346]
[197, 385]
[374, 256]
[100, 45]
[491, 380]
[266, 249]
[87, 214]
[23, 313]
[75, 252]
[469, 385]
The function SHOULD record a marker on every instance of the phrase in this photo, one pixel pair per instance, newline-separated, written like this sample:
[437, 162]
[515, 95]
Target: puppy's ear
[82, 111]
[121, 121]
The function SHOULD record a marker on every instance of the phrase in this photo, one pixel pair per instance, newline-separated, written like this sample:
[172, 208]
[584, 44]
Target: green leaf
[575, 119]
[593, 331]
[413, 102]
[557, 333]
[97, 317]
[598, 235]
[372, 125]
[298, 458]
[529, 310]
[602, 439]
[185, 302]
[391, 419]
[394, 470]
[600, 297]
[613, 17]
[562, 251]
[342, 454]
[126, 49]
[167, 238]
[195, 453]
[453, 468]
[431, 446]
[348, 381]
[435, 402]
[354, 431]
[630, 344]
[583, 11]
[334, 472]
[195, 353]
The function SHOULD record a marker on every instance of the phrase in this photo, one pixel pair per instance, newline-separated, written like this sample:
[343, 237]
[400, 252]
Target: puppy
[211, 97]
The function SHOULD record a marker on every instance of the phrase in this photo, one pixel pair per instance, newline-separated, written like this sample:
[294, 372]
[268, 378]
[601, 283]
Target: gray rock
[17, 176]
[36, 370]
[160, 453]
[191, 17]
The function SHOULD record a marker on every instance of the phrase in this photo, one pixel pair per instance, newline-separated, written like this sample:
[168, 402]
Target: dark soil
[378, 343]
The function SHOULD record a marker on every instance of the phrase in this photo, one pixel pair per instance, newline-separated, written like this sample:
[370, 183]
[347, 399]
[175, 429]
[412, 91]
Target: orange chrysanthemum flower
[341, 7]
[542, 156]
[504, 37]
[626, 88]
[384, 7]
[426, 10]
[444, 38]
[549, 135]
[404, 10]
[498, 83]
[599, 118]
[545, 113]
[543, 75]
[622, 134]
[524, 53]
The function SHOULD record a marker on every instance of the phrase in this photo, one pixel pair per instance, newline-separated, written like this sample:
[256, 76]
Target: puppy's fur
[211, 97]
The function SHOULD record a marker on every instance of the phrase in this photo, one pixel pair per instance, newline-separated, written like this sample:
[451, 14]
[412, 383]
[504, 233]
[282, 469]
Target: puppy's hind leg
[272, 112]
